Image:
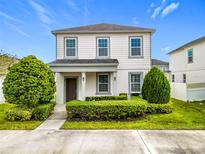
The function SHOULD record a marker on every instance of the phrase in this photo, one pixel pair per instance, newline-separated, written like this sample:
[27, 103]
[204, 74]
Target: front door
[71, 89]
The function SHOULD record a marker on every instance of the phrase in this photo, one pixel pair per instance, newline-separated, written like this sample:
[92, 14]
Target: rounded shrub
[156, 88]
[29, 82]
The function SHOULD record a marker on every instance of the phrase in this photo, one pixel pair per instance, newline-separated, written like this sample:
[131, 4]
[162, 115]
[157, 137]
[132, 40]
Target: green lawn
[184, 116]
[6, 125]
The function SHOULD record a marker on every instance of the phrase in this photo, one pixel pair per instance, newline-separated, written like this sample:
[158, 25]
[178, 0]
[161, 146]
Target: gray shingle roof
[159, 62]
[188, 44]
[103, 27]
[84, 61]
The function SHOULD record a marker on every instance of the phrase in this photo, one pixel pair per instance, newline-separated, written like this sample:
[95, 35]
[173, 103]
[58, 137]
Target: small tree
[156, 88]
[29, 82]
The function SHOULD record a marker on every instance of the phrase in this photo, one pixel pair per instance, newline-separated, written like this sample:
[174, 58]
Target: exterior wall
[195, 72]
[1, 90]
[179, 91]
[119, 48]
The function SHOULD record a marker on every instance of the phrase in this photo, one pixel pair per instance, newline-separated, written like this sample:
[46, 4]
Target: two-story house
[100, 59]
[187, 66]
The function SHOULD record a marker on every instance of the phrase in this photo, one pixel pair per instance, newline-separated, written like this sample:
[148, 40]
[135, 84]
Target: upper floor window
[135, 82]
[135, 46]
[184, 78]
[190, 56]
[173, 78]
[103, 47]
[70, 47]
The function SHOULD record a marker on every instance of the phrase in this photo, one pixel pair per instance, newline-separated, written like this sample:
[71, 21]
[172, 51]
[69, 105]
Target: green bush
[122, 94]
[105, 110]
[101, 98]
[156, 88]
[159, 108]
[42, 112]
[18, 114]
[29, 82]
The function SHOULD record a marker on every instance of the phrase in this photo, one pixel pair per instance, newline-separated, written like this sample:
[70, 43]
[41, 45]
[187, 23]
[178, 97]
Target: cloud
[135, 21]
[156, 12]
[8, 17]
[18, 30]
[73, 5]
[150, 7]
[41, 11]
[166, 49]
[169, 9]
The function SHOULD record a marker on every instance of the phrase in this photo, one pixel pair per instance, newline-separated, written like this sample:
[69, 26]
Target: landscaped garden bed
[184, 116]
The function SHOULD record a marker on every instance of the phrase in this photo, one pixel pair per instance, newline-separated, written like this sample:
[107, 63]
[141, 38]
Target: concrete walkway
[56, 120]
[102, 141]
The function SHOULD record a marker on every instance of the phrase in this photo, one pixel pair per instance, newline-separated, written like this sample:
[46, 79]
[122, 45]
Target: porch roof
[84, 62]
[84, 65]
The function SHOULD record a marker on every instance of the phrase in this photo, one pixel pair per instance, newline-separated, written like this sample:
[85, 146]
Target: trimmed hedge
[159, 108]
[105, 110]
[102, 98]
[156, 88]
[18, 114]
[43, 111]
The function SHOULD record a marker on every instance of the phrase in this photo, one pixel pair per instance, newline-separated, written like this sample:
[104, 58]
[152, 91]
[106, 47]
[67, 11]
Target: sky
[25, 25]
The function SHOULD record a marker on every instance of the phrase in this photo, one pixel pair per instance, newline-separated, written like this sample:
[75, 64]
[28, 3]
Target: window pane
[190, 53]
[135, 42]
[103, 52]
[103, 78]
[135, 87]
[135, 77]
[70, 52]
[135, 51]
[70, 43]
[103, 87]
[102, 42]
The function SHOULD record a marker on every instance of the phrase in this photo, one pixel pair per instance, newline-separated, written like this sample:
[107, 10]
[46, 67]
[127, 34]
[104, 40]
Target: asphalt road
[102, 141]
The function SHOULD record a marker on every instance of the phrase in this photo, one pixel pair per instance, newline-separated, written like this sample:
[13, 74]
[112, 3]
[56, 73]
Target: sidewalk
[56, 120]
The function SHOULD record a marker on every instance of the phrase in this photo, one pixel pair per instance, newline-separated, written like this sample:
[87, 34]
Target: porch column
[114, 77]
[59, 88]
[83, 84]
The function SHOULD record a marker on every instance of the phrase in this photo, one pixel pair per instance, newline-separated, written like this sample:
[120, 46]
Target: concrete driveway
[101, 141]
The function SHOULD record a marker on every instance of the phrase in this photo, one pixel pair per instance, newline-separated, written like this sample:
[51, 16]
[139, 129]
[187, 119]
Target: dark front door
[71, 85]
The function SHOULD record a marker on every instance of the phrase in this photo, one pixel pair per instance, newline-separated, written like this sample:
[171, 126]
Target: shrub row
[105, 110]
[41, 112]
[102, 98]
[159, 108]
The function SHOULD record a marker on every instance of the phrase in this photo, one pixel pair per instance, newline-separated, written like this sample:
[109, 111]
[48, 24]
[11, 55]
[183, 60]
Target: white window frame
[98, 83]
[108, 47]
[76, 44]
[189, 56]
[130, 82]
[173, 78]
[184, 78]
[130, 46]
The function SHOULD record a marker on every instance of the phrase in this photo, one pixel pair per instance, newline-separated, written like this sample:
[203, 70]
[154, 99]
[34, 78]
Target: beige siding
[195, 71]
[119, 49]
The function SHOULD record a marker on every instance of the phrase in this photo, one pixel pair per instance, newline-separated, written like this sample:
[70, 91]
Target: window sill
[70, 57]
[136, 57]
[107, 93]
[102, 57]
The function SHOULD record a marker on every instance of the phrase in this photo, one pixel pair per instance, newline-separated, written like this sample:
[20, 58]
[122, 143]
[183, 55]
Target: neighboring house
[6, 61]
[163, 66]
[101, 59]
[187, 67]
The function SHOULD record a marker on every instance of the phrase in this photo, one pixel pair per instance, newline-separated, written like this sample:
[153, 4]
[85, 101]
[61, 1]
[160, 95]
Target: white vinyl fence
[182, 92]
[1, 90]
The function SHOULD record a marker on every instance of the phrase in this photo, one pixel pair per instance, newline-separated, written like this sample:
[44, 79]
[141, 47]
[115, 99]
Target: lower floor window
[103, 83]
[135, 82]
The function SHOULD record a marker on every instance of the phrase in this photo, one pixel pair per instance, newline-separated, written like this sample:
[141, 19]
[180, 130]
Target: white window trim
[98, 87]
[76, 44]
[108, 47]
[191, 49]
[141, 46]
[130, 83]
